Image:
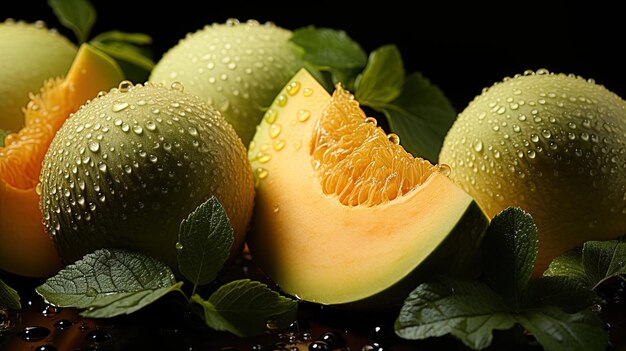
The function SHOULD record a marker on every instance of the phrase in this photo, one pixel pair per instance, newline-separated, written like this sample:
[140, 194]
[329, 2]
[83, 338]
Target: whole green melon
[29, 54]
[552, 144]
[127, 167]
[236, 67]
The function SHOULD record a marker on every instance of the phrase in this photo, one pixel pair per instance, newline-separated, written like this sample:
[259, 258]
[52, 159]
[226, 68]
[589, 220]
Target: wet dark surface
[164, 325]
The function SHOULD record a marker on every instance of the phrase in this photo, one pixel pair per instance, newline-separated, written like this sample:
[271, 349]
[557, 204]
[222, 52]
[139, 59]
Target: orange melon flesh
[25, 248]
[338, 233]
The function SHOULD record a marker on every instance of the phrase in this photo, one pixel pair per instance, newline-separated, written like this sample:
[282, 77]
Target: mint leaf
[204, 242]
[244, 308]
[592, 265]
[126, 303]
[105, 276]
[421, 116]
[603, 260]
[469, 310]
[119, 36]
[569, 264]
[568, 294]
[509, 251]
[557, 330]
[127, 52]
[327, 48]
[3, 135]
[330, 50]
[77, 15]
[382, 79]
[9, 298]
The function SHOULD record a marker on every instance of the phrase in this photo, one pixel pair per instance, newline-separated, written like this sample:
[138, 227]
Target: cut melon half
[343, 213]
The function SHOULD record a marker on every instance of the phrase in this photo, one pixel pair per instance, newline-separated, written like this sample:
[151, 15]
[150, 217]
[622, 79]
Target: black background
[460, 47]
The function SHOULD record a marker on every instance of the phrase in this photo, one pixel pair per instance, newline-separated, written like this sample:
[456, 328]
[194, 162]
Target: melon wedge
[343, 214]
[25, 248]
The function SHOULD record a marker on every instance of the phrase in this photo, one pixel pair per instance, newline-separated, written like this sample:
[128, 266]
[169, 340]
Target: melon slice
[343, 213]
[25, 248]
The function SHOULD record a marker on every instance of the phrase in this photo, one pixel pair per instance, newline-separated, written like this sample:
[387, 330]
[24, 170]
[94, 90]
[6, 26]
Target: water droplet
[63, 324]
[546, 133]
[293, 88]
[501, 110]
[531, 154]
[279, 144]
[276, 208]
[125, 86]
[394, 138]
[263, 157]
[137, 129]
[534, 138]
[303, 115]
[516, 128]
[94, 146]
[119, 106]
[178, 86]
[444, 169]
[156, 111]
[192, 131]
[478, 146]
[98, 335]
[33, 333]
[179, 245]
[153, 158]
[542, 71]
[261, 173]
[270, 116]
[102, 167]
[275, 130]
[281, 100]
[307, 92]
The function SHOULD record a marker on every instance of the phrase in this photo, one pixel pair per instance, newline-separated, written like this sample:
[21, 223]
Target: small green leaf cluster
[415, 109]
[112, 282]
[128, 49]
[555, 308]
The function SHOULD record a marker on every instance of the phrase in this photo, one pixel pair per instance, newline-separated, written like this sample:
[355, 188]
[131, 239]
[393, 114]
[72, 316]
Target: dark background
[460, 47]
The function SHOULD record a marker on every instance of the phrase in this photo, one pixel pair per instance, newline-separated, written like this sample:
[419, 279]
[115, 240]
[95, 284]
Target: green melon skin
[29, 54]
[127, 167]
[552, 144]
[236, 67]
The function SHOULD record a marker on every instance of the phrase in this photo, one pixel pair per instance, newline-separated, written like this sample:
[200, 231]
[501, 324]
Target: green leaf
[126, 303]
[568, 294]
[109, 278]
[9, 298]
[3, 134]
[125, 52]
[382, 79]
[421, 116]
[328, 49]
[118, 36]
[509, 251]
[244, 308]
[469, 310]
[603, 260]
[204, 242]
[77, 15]
[556, 330]
[569, 264]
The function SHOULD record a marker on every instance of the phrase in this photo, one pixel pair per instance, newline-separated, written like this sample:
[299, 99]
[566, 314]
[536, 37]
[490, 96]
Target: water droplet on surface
[279, 144]
[137, 129]
[371, 120]
[281, 100]
[270, 116]
[178, 86]
[179, 245]
[63, 324]
[125, 86]
[293, 88]
[394, 138]
[94, 146]
[275, 130]
[303, 115]
[444, 169]
[119, 106]
[261, 173]
[98, 335]
[478, 146]
[33, 333]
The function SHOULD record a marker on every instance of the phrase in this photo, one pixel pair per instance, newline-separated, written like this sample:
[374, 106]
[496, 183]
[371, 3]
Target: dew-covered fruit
[344, 215]
[29, 54]
[25, 248]
[236, 67]
[552, 144]
[129, 166]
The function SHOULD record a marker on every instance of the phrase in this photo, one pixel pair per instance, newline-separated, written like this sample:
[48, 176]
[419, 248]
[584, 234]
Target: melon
[344, 215]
